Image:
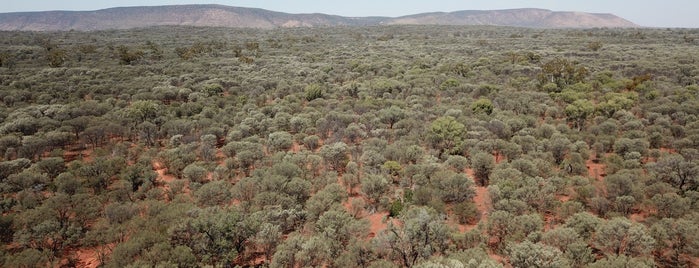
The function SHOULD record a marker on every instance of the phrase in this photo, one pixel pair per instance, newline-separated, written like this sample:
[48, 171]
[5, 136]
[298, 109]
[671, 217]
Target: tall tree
[677, 241]
[446, 134]
[419, 234]
[391, 115]
[482, 164]
[676, 170]
[335, 155]
[578, 112]
[528, 254]
[621, 236]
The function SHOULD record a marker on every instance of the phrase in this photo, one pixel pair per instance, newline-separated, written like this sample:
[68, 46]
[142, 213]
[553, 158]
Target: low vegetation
[385, 146]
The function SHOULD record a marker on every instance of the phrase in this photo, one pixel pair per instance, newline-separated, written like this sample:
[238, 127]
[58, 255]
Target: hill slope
[226, 16]
[528, 17]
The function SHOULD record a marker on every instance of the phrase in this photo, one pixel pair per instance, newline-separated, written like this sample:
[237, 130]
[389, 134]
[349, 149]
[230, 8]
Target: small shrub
[466, 212]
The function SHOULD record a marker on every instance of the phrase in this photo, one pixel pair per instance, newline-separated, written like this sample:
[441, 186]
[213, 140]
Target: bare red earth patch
[595, 169]
[377, 223]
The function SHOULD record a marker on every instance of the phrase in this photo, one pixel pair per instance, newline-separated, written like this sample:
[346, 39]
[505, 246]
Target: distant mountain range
[227, 16]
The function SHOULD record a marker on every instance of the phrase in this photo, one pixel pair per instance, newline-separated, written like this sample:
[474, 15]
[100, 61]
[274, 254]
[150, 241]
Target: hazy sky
[654, 13]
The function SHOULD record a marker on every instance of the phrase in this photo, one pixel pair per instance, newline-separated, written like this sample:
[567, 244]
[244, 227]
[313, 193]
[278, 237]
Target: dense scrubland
[408, 146]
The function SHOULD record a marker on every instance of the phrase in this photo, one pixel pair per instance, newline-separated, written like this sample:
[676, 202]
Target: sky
[651, 13]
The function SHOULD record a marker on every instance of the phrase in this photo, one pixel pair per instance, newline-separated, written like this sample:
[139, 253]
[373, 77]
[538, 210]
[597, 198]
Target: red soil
[84, 155]
[662, 150]
[462, 228]
[87, 258]
[499, 259]
[295, 147]
[220, 157]
[348, 204]
[162, 172]
[482, 200]
[499, 157]
[469, 172]
[563, 198]
[637, 217]
[642, 215]
[165, 179]
[90, 257]
[667, 150]
[595, 170]
[483, 204]
[376, 223]
[550, 222]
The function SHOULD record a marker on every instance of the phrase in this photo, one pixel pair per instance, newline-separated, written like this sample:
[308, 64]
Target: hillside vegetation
[227, 16]
[384, 146]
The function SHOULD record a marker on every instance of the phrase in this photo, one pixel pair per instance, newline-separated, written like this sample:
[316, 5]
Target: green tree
[620, 261]
[326, 199]
[457, 162]
[267, 238]
[391, 115]
[482, 106]
[335, 155]
[313, 91]
[143, 110]
[119, 213]
[559, 146]
[6, 231]
[215, 235]
[500, 227]
[578, 112]
[453, 187]
[482, 164]
[207, 147]
[57, 57]
[311, 142]
[528, 254]
[677, 240]
[446, 134]
[676, 170]
[568, 241]
[466, 212]
[621, 184]
[56, 224]
[7, 60]
[128, 56]
[78, 124]
[341, 228]
[99, 173]
[280, 141]
[212, 89]
[138, 175]
[671, 205]
[584, 223]
[8, 168]
[374, 187]
[30, 258]
[195, 173]
[214, 193]
[287, 251]
[420, 234]
[52, 166]
[357, 254]
[562, 72]
[247, 153]
[449, 84]
[621, 236]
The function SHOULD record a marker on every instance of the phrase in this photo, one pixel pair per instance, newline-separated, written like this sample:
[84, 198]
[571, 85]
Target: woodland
[381, 146]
